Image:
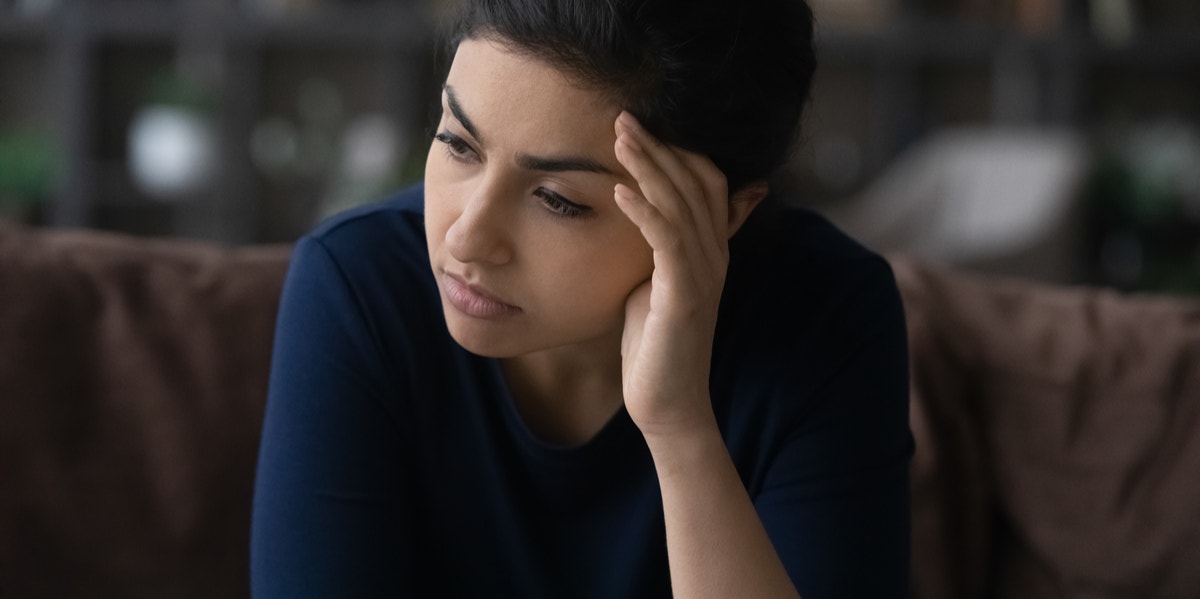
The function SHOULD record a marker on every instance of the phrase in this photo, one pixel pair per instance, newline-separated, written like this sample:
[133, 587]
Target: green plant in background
[28, 172]
[1144, 211]
[172, 88]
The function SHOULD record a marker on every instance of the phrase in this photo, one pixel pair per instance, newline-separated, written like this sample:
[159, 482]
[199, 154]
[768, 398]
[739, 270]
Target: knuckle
[692, 189]
[718, 181]
[670, 239]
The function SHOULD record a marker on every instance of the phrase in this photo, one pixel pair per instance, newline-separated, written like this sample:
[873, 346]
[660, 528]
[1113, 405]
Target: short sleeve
[331, 515]
[835, 497]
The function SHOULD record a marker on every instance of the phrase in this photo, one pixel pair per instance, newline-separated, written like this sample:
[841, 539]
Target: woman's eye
[560, 205]
[456, 148]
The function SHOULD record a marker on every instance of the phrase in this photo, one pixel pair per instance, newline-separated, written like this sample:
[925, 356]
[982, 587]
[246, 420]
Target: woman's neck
[567, 394]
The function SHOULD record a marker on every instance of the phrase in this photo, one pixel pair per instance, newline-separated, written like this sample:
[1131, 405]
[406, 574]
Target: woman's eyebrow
[556, 164]
[560, 164]
[457, 110]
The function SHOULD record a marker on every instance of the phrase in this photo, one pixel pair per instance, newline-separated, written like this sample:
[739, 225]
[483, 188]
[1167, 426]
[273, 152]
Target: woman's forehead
[509, 94]
[499, 76]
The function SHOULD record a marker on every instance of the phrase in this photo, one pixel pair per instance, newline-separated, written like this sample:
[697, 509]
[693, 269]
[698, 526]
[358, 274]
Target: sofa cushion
[951, 480]
[132, 382]
[1058, 430]
[1086, 409]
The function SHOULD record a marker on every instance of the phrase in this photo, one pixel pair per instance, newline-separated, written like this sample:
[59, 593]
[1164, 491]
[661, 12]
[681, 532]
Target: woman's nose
[479, 234]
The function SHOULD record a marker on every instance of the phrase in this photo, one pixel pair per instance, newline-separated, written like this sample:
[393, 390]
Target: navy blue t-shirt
[394, 463]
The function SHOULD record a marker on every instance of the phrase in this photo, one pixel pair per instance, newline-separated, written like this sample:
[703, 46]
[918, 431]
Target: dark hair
[724, 78]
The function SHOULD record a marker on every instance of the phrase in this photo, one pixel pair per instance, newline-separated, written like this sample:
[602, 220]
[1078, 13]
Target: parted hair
[725, 78]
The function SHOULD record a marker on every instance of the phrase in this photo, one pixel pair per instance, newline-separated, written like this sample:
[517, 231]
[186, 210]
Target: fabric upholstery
[1058, 436]
[132, 378]
[1058, 430]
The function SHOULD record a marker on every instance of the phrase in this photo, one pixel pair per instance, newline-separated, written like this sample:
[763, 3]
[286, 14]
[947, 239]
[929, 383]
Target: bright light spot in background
[370, 148]
[172, 152]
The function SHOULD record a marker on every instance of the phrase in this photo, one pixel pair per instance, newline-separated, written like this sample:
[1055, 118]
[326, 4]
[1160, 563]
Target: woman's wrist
[684, 442]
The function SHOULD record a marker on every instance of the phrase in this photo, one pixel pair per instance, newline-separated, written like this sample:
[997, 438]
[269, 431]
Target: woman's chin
[489, 342]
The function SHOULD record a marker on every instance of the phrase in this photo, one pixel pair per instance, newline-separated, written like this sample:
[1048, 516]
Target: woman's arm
[330, 514]
[716, 544]
[832, 515]
[835, 497]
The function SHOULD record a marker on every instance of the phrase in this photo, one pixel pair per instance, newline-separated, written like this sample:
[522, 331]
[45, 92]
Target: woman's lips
[473, 301]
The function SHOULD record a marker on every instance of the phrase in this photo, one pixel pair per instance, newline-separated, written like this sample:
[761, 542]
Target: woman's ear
[743, 202]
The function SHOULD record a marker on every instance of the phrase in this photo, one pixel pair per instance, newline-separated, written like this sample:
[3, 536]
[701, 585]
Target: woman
[549, 373]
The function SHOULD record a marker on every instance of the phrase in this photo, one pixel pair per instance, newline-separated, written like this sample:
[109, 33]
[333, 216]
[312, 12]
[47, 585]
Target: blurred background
[1057, 140]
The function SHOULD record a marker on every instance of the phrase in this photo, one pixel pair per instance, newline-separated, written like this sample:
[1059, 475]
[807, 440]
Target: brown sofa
[1058, 430]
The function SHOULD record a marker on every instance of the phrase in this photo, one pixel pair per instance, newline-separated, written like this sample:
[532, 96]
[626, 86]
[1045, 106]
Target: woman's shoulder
[811, 337]
[802, 298]
[396, 220]
[376, 253]
[792, 256]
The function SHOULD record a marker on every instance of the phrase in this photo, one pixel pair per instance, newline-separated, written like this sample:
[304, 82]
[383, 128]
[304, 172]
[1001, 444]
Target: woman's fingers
[675, 258]
[650, 166]
[715, 182]
[670, 319]
[665, 219]
[678, 173]
[686, 188]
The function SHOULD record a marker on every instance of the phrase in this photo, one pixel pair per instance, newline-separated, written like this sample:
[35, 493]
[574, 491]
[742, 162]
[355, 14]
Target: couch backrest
[1058, 430]
[133, 376]
[1058, 439]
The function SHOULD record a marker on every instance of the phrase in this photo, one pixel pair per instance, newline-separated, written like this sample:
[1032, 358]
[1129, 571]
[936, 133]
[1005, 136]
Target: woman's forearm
[716, 544]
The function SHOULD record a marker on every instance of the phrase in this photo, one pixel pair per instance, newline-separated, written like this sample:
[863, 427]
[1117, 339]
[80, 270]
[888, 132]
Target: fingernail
[629, 120]
[623, 193]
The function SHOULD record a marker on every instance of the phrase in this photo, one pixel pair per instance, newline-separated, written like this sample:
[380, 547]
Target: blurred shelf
[382, 25]
[391, 24]
[1158, 48]
[18, 29]
[948, 41]
[99, 54]
[920, 72]
[912, 74]
[115, 188]
[918, 39]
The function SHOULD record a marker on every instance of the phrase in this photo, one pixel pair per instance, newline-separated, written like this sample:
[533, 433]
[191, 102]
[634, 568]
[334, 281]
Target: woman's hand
[681, 206]
[716, 544]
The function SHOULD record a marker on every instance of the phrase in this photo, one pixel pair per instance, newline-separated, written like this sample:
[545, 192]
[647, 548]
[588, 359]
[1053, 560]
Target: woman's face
[529, 249]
